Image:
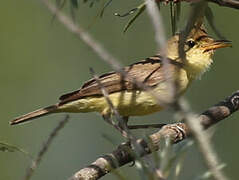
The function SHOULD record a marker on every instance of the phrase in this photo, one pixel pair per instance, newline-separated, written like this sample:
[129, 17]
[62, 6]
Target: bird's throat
[196, 66]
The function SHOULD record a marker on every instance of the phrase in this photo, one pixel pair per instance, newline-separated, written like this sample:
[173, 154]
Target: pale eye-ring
[190, 43]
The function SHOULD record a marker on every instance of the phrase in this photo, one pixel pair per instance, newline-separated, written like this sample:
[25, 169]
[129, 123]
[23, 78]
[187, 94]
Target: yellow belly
[128, 103]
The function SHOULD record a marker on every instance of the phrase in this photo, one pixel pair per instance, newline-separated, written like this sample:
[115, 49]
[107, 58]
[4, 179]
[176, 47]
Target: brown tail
[35, 114]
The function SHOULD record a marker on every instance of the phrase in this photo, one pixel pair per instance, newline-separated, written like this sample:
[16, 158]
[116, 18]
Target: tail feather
[35, 114]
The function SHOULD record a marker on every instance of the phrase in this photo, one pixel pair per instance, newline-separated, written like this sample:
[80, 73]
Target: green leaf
[92, 3]
[104, 7]
[140, 9]
[210, 18]
[5, 147]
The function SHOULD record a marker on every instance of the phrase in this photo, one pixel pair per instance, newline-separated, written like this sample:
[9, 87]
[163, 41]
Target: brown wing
[148, 71]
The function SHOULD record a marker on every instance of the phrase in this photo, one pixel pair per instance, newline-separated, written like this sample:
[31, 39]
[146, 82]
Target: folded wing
[149, 72]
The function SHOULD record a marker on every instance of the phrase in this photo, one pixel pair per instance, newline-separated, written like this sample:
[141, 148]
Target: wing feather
[148, 71]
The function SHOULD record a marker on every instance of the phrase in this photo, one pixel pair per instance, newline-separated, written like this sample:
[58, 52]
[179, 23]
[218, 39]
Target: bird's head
[199, 48]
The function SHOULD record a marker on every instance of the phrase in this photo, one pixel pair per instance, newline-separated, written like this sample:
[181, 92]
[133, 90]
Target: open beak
[217, 44]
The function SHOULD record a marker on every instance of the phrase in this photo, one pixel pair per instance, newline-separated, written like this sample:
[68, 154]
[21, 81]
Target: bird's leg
[124, 124]
[146, 126]
[107, 118]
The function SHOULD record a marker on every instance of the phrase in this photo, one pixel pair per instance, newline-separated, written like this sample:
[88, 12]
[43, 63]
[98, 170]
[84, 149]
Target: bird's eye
[190, 43]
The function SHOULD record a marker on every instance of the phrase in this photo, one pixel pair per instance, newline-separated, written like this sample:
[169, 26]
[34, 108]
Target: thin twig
[209, 155]
[157, 22]
[160, 38]
[123, 129]
[45, 147]
[226, 3]
[83, 35]
[203, 142]
[176, 132]
[195, 19]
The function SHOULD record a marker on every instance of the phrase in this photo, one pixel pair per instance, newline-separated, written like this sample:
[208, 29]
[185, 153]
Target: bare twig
[210, 157]
[157, 22]
[203, 140]
[160, 39]
[83, 35]
[176, 132]
[45, 147]
[195, 18]
[226, 3]
[123, 129]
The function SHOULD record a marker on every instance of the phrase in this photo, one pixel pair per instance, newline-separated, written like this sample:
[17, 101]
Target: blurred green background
[40, 60]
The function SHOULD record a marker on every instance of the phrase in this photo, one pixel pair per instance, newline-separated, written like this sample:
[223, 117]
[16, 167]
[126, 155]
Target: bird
[126, 96]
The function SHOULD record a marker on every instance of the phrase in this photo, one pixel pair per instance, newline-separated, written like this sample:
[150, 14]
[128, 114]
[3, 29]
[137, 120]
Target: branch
[202, 139]
[101, 52]
[226, 3]
[176, 132]
[157, 23]
[160, 39]
[203, 142]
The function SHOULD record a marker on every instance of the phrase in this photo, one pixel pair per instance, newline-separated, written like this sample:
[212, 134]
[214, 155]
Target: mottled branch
[176, 132]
